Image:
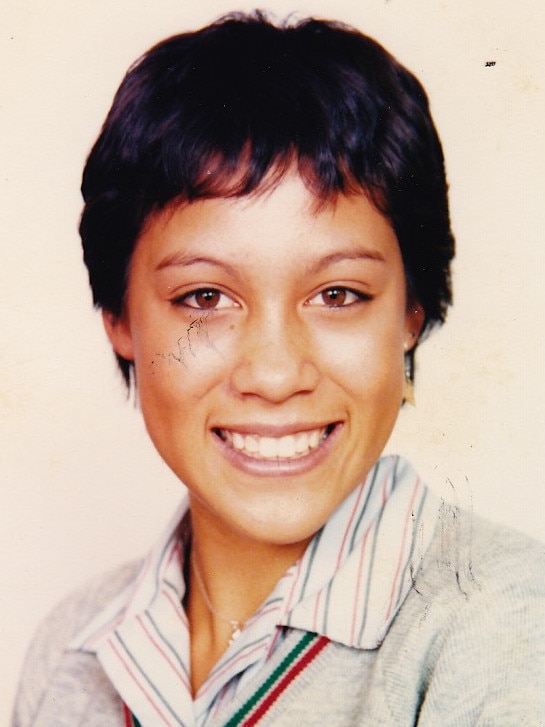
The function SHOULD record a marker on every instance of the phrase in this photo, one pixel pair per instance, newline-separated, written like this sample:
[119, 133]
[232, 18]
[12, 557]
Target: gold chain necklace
[236, 626]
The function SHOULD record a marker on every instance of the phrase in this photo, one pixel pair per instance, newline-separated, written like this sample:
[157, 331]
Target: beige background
[81, 488]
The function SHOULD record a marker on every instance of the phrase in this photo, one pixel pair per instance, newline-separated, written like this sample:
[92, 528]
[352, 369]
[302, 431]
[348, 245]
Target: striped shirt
[347, 587]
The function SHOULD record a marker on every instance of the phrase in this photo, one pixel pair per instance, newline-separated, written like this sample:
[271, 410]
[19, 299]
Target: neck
[229, 578]
[238, 572]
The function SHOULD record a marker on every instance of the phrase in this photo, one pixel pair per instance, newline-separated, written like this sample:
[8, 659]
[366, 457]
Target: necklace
[236, 626]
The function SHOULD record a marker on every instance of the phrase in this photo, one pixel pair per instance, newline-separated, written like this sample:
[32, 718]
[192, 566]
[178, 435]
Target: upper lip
[274, 430]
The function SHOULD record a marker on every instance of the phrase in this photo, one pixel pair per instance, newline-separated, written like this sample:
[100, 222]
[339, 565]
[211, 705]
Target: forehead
[284, 211]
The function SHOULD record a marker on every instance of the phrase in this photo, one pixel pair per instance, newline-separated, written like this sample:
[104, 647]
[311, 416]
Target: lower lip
[278, 467]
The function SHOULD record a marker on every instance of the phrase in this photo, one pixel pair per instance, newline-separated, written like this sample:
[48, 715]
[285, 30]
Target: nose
[274, 359]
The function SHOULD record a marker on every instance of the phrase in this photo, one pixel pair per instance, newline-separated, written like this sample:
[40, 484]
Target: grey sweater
[466, 648]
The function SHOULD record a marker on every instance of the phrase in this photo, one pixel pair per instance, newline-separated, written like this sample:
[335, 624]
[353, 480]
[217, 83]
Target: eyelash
[182, 300]
[358, 297]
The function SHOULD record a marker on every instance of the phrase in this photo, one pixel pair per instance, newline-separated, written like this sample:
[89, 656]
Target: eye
[205, 299]
[338, 297]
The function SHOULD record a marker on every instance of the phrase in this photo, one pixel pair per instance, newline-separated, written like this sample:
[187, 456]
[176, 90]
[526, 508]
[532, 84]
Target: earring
[408, 384]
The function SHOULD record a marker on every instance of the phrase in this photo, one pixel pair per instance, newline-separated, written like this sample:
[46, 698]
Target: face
[268, 336]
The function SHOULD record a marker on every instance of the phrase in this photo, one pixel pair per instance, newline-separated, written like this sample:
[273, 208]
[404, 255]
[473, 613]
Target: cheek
[364, 361]
[176, 364]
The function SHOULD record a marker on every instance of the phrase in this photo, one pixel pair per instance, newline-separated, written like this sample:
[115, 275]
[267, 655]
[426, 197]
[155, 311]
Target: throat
[207, 647]
[227, 579]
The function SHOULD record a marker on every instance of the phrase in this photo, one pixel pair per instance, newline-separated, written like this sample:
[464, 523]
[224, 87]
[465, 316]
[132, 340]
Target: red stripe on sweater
[283, 684]
[127, 716]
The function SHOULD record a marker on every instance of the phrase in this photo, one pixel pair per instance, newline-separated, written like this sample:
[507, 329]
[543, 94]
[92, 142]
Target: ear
[414, 321]
[119, 333]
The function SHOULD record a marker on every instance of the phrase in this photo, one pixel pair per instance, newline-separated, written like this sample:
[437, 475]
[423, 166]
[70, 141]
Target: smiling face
[268, 336]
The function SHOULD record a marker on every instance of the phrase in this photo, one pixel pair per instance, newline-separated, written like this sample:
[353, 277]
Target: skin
[267, 315]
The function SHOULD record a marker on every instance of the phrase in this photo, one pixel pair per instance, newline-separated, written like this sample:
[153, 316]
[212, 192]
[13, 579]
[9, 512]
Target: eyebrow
[341, 256]
[181, 259]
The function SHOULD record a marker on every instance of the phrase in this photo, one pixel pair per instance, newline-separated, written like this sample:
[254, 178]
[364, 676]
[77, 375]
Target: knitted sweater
[466, 648]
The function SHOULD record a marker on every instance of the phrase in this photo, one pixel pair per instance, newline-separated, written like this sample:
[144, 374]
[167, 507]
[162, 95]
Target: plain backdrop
[81, 487]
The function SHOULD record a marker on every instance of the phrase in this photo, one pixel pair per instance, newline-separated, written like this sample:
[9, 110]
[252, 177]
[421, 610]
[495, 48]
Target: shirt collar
[161, 572]
[360, 567]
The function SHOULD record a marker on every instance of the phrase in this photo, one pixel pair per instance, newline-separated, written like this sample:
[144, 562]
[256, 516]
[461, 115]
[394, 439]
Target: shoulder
[75, 611]
[476, 556]
[50, 643]
[480, 575]
[481, 599]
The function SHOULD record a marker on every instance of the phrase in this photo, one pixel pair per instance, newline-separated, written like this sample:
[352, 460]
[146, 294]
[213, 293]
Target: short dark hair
[225, 110]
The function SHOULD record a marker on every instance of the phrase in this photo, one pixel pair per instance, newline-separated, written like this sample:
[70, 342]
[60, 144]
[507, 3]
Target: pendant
[235, 625]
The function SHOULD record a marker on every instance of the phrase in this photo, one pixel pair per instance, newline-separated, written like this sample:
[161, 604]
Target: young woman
[266, 231]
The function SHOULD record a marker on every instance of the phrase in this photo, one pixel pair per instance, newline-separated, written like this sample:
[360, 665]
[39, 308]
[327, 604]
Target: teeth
[268, 448]
[251, 444]
[314, 439]
[286, 447]
[289, 447]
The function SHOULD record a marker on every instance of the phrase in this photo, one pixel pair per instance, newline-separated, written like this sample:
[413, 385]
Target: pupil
[207, 298]
[336, 296]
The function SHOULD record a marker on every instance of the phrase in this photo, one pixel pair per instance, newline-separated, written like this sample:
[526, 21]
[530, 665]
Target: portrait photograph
[272, 363]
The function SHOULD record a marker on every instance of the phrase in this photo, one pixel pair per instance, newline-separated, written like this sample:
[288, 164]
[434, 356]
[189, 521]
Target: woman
[266, 231]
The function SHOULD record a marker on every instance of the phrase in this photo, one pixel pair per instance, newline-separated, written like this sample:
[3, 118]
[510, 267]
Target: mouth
[289, 447]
